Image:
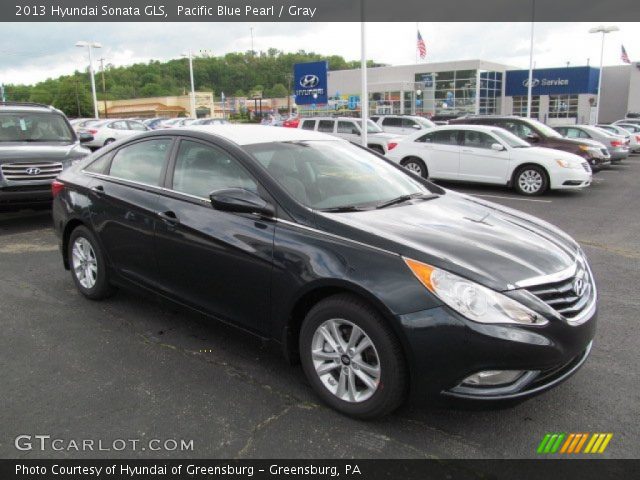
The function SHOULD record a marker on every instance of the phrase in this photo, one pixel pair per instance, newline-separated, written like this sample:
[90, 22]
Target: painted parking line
[512, 198]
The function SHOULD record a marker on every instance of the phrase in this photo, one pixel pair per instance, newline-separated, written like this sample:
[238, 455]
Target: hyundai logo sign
[33, 171]
[546, 82]
[534, 82]
[309, 81]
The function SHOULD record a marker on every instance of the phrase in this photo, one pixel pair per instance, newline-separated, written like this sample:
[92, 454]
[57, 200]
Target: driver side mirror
[85, 137]
[533, 137]
[497, 147]
[240, 200]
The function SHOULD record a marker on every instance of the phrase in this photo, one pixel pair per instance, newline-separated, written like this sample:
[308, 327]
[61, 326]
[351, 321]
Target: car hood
[581, 141]
[533, 153]
[487, 243]
[24, 151]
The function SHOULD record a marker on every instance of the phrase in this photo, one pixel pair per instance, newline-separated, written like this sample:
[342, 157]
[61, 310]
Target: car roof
[28, 108]
[251, 134]
[462, 126]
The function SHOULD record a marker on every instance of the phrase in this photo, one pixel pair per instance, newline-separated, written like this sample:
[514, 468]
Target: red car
[291, 122]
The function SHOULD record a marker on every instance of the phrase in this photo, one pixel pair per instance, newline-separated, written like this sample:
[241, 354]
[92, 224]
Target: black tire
[377, 148]
[539, 180]
[415, 165]
[101, 288]
[393, 381]
[108, 141]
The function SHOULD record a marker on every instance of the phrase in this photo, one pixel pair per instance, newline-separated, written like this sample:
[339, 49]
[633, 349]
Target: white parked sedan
[484, 154]
[105, 132]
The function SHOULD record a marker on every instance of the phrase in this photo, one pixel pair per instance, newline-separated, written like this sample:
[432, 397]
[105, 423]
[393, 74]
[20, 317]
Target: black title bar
[318, 10]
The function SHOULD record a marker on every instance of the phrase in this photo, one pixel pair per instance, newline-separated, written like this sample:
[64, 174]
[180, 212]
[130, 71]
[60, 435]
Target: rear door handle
[169, 217]
[98, 189]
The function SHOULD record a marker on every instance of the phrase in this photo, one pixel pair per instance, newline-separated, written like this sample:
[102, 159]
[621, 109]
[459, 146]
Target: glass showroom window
[520, 106]
[490, 92]
[563, 106]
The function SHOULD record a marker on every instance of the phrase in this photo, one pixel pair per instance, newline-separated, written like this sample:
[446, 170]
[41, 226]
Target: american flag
[422, 48]
[623, 56]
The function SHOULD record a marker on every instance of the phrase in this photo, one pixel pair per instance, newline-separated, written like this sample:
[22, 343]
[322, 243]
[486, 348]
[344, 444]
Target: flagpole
[416, 45]
[364, 94]
[530, 82]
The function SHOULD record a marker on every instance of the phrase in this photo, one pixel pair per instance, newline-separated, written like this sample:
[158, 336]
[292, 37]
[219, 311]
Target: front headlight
[594, 151]
[568, 164]
[477, 303]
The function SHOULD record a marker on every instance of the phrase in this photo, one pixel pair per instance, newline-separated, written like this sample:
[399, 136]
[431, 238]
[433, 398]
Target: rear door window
[392, 122]
[141, 162]
[325, 126]
[308, 124]
[442, 137]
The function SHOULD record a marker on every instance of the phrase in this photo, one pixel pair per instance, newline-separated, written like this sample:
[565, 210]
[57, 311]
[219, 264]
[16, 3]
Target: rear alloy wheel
[416, 166]
[88, 268]
[352, 358]
[531, 180]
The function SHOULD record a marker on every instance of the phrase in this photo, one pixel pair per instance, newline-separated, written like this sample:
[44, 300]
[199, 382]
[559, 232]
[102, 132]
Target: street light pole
[530, 83]
[91, 46]
[604, 30]
[364, 95]
[192, 100]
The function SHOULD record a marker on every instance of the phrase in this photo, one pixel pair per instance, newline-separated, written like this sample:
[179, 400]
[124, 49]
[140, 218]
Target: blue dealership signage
[553, 81]
[310, 83]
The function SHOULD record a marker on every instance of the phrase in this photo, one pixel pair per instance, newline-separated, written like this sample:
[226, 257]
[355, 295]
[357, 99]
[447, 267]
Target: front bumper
[619, 154]
[570, 179]
[25, 194]
[444, 348]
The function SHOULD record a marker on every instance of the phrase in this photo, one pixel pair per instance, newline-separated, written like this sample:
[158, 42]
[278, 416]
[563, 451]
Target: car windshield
[544, 129]
[371, 126]
[510, 139]
[425, 122]
[334, 175]
[34, 127]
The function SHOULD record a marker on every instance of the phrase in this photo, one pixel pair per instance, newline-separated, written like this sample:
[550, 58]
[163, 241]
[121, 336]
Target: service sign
[553, 81]
[310, 86]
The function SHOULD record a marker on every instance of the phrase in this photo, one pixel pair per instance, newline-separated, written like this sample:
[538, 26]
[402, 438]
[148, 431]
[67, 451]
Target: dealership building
[447, 89]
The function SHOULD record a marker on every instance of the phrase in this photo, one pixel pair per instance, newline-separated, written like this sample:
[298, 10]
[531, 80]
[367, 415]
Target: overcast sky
[33, 52]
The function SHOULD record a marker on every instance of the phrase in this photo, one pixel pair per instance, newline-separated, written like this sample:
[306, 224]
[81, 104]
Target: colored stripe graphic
[573, 443]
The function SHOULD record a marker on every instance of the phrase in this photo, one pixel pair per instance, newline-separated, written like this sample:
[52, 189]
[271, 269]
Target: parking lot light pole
[530, 83]
[192, 100]
[364, 95]
[91, 46]
[604, 30]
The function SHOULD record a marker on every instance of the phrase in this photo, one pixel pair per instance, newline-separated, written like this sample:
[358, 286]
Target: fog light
[492, 378]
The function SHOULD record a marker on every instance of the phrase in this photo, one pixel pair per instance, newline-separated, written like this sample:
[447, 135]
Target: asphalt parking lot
[132, 367]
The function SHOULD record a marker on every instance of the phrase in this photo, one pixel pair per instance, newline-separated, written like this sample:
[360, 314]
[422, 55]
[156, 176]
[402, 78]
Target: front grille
[570, 296]
[26, 171]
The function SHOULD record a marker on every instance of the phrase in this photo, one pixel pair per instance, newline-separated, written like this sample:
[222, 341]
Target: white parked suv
[105, 132]
[485, 154]
[350, 129]
[402, 124]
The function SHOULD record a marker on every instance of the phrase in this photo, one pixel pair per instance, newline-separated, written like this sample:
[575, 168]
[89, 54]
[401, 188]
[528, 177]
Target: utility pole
[77, 97]
[252, 42]
[104, 88]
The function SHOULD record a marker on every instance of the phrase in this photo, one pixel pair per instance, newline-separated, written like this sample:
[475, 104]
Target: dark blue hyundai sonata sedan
[382, 284]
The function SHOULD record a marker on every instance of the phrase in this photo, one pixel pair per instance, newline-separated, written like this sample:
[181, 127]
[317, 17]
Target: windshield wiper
[343, 208]
[406, 198]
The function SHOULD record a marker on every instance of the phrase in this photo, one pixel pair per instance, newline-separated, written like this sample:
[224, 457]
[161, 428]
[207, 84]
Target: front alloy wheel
[346, 360]
[531, 180]
[352, 357]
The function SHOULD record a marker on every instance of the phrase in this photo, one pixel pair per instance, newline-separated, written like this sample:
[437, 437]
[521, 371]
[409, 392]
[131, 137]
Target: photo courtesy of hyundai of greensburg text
[308, 239]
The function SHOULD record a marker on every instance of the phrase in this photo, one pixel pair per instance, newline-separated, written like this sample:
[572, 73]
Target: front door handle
[98, 189]
[169, 217]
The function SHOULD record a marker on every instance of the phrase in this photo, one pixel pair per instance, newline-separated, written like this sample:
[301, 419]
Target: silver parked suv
[350, 129]
[36, 144]
[402, 124]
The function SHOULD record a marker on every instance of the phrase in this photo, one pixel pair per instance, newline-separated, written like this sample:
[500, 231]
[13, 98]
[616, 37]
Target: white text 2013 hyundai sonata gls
[483, 154]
